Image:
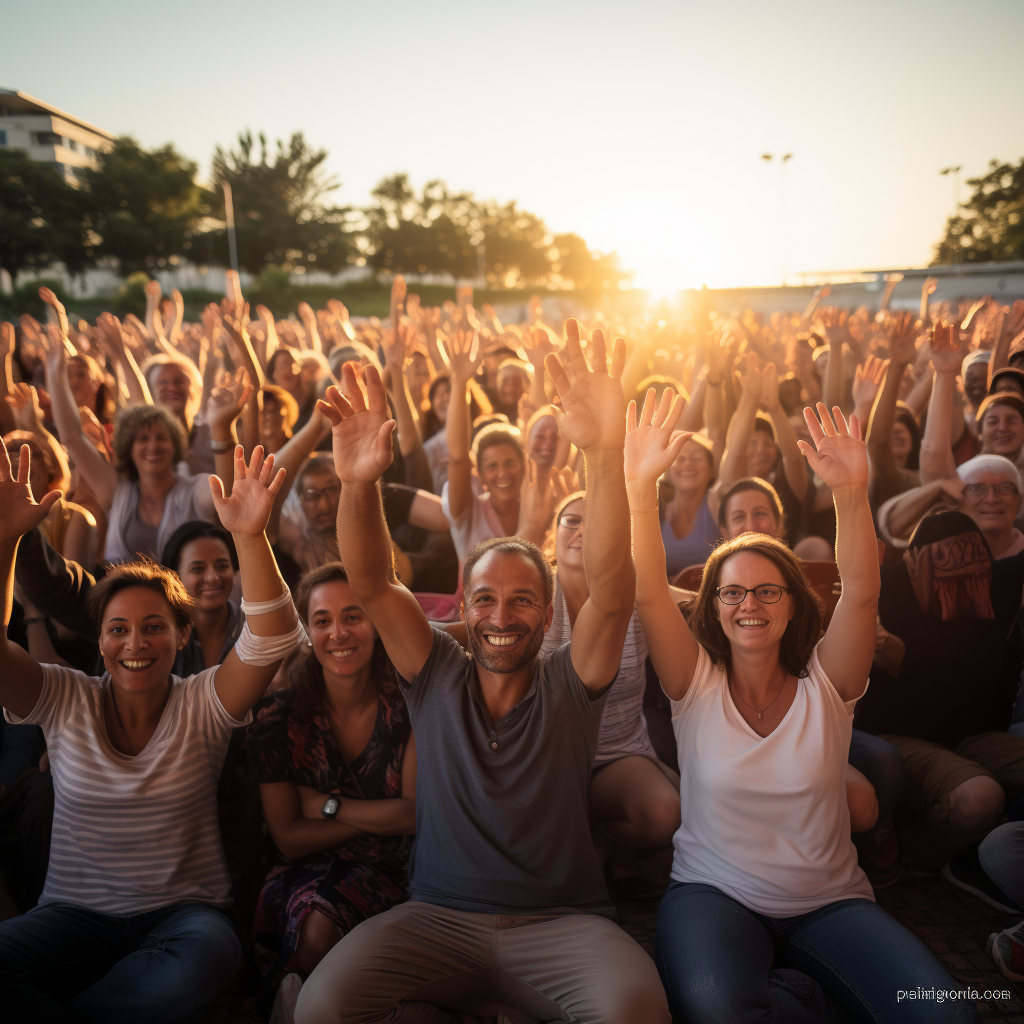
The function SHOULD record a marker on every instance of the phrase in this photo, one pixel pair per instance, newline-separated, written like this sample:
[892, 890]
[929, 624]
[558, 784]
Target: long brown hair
[308, 689]
[803, 630]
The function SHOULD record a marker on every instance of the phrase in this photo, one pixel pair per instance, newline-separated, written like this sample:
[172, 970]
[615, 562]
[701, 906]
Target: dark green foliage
[991, 223]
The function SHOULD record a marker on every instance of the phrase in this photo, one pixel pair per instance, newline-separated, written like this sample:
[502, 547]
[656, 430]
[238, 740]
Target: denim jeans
[60, 962]
[721, 962]
[1002, 858]
[881, 763]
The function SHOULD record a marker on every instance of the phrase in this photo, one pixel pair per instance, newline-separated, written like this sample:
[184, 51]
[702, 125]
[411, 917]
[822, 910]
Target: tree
[279, 198]
[577, 264]
[991, 225]
[42, 218]
[145, 205]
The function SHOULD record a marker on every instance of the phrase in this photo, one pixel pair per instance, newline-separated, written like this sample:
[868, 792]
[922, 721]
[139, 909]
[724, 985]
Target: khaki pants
[933, 771]
[418, 964]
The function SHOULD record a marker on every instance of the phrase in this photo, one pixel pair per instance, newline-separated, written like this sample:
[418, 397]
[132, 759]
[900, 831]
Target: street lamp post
[784, 158]
[955, 171]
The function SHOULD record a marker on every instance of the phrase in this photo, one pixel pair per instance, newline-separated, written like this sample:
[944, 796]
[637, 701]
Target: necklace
[117, 715]
[760, 714]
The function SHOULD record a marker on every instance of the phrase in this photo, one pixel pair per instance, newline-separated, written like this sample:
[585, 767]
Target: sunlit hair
[494, 434]
[103, 406]
[350, 352]
[279, 352]
[285, 403]
[144, 574]
[666, 492]
[659, 381]
[550, 536]
[752, 483]
[308, 689]
[1014, 401]
[989, 464]
[515, 365]
[127, 426]
[13, 442]
[511, 546]
[803, 630]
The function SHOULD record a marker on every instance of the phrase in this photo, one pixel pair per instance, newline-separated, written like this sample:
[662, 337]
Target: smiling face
[500, 468]
[569, 535]
[543, 441]
[506, 612]
[205, 568]
[1002, 431]
[152, 449]
[340, 631]
[512, 385]
[285, 372]
[139, 639]
[753, 625]
[692, 469]
[991, 499]
[976, 382]
[172, 388]
[761, 455]
[750, 512]
[320, 494]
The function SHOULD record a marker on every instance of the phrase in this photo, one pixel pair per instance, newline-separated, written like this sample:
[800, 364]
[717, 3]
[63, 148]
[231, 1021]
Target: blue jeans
[62, 963]
[721, 962]
[1002, 858]
[882, 764]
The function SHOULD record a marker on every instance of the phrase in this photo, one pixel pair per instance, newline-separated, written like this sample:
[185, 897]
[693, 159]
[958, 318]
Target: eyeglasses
[766, 593]
[310, 496]
[1003, 489]
[570, 521]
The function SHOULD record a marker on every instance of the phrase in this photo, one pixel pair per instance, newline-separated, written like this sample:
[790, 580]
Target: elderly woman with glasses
[768, 915]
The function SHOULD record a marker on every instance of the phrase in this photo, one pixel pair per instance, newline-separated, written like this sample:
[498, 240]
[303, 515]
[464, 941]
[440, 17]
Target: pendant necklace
[760, 714]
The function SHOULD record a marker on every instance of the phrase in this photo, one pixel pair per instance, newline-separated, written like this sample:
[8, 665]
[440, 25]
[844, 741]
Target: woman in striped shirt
[131, 923]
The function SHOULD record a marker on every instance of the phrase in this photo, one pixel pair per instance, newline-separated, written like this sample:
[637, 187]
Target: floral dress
[364, 876]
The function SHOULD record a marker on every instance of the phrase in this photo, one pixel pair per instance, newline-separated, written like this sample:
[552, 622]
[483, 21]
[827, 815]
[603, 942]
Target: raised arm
[840, 459]
[741, 428]
[225, 406]
[593, 420]
[21, 679]
[947, 354]
[793, 465]
[6, 375]
[245, 513]
[1009, 329]
[113, 340]
[464, 357]
[652, 445]
[362, 453]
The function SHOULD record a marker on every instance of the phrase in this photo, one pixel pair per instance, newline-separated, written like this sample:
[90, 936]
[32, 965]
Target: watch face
[330, 808]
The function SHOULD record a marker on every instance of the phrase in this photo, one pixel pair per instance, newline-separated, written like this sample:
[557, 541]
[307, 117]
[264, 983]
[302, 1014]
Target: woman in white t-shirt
[130, 926]
[768, 915]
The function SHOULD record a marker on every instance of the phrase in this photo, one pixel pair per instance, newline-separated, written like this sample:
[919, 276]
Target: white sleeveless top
[765, 819]
[623, 726]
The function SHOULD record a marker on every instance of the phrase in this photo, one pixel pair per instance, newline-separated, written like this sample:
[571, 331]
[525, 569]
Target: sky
[639, 126]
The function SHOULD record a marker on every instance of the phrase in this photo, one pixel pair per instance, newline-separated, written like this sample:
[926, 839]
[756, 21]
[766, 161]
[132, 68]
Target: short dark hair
[803, 630]
[494, 434]
[511, 546]
[193, 530]
[285, 402]
[317, 464]
[752, 483]
[130, 421]
[144, 573]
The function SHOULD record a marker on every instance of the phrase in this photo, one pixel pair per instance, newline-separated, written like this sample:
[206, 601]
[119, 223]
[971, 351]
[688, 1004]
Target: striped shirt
[623, 726]
[132, 834]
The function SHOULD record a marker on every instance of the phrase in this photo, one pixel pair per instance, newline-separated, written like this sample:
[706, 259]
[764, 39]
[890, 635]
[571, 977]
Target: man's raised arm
[361, 431]
[594, 420]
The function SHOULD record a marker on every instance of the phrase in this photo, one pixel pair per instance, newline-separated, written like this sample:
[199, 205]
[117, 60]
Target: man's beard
[500, 662]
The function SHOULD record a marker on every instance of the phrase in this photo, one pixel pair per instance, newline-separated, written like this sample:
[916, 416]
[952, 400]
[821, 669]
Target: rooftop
[14, 103]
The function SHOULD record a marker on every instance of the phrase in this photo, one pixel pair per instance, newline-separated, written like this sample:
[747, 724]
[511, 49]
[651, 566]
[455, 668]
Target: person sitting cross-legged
[507, 908]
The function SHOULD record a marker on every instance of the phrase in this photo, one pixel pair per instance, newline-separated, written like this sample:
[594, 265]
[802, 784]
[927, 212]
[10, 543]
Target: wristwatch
[330, 807]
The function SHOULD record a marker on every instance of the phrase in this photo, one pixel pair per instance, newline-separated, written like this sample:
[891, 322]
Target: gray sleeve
[446, 660]
[559, 669]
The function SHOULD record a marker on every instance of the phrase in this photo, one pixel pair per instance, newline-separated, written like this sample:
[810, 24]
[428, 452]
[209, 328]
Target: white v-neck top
[765, 819]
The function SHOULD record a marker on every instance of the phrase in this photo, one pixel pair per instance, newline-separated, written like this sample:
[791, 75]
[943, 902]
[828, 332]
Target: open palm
[247, 511]
[360, 424]
[652, 445]
[838, 456]
[21, 511]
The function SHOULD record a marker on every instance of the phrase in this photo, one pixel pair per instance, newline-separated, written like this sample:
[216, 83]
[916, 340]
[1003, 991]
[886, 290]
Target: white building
[49, 134]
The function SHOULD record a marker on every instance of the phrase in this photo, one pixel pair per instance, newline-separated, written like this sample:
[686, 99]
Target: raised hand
[24, 402]
[110, 334]
[901, 332]
[867, 381]
[247, 511]
[228, 399]
[948, 349]
[21, 511]
[653, 444]
[6, 340]
[539, 346]
[464, 354]
[59, 313]
[360, 425]
[838, 456]
[770, 389]
[592, 401]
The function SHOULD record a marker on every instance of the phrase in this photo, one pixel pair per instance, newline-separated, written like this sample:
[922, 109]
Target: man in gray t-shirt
[507, 895]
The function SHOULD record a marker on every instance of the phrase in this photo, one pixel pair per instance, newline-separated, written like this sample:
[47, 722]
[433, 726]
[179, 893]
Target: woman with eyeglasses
[768, 915]
[634, 798]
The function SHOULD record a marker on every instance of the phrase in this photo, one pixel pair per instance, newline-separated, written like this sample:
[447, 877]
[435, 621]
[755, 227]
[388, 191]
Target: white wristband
[265, 607]
[265, 650]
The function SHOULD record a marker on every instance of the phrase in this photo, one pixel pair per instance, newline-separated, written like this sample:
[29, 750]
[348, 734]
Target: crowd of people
[349, 664]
